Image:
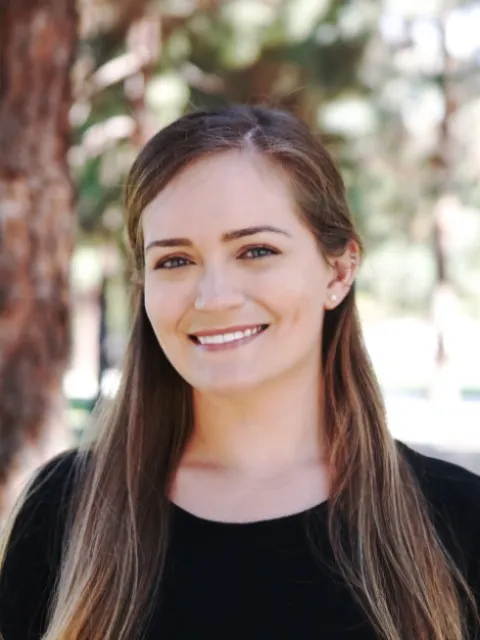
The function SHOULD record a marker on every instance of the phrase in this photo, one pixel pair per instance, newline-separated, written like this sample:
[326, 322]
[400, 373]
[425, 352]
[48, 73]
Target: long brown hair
[392, 558]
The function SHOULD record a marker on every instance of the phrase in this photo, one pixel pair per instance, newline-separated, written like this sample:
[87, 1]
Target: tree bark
[37, 47]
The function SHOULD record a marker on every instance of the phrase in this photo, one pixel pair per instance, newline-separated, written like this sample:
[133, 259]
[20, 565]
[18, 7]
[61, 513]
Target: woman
[244, 483]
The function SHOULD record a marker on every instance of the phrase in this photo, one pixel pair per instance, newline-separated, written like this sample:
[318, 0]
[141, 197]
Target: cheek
[300, 296]
[151, 302]
[162, 307]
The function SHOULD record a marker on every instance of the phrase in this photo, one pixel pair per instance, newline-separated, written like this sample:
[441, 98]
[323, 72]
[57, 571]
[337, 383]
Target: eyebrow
[226, 237]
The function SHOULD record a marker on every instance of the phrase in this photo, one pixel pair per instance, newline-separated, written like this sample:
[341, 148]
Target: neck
[260, 433]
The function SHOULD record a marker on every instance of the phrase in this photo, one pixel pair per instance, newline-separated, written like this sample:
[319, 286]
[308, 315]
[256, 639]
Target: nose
[216, 290]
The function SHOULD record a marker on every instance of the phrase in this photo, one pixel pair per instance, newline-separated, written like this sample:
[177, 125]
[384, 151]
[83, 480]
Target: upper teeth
[228, 337]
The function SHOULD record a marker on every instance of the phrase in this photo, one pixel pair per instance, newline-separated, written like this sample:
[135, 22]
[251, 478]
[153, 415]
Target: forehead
[228, 190]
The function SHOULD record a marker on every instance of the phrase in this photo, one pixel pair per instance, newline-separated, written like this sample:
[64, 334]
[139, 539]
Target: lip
[215, 332]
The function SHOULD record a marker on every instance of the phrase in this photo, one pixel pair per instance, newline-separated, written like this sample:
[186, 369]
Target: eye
[172, 262]
[259, 251]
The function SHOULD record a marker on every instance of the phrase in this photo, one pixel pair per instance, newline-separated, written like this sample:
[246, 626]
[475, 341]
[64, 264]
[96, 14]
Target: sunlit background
[393, 85]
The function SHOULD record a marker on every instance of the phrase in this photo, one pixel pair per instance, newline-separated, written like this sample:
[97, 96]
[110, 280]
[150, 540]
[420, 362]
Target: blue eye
[174, 262]
[252, 253]
[260, 251]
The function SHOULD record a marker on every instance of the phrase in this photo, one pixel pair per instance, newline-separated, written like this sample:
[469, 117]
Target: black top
[255, 580]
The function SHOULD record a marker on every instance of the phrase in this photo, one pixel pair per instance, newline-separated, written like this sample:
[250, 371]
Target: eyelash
[161, 264]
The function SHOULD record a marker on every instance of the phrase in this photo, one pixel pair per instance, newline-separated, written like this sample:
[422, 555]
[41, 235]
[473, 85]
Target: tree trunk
[37, 47]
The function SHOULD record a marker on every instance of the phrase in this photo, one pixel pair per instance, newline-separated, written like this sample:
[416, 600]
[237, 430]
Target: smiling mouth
[228, 337]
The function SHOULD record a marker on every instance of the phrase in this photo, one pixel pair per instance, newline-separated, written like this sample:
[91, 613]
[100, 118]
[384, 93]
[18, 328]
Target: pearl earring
[333, 297]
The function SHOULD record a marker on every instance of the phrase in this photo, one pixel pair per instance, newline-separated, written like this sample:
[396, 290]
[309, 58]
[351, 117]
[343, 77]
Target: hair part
[391, 556]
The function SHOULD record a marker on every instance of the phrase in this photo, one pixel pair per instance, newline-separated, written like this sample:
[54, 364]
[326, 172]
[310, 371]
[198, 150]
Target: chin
[226, 387]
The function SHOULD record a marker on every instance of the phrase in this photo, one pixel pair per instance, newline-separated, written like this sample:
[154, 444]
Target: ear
[344, 269]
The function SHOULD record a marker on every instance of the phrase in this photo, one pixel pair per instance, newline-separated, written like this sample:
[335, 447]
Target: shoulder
[33, 545]
[443, 482]
[50, 490]
[452, 494]
[39, 519]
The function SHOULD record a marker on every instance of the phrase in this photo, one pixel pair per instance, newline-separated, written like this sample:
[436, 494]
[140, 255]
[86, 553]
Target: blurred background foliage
[375, 77]
[392, 85]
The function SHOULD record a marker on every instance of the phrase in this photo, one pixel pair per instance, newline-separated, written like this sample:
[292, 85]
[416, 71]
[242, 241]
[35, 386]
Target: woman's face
[235, 286]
